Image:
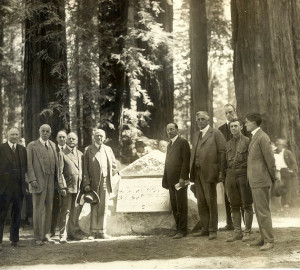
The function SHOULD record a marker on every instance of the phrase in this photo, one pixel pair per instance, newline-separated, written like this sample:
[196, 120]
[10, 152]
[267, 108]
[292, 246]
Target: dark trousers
[179, 206]
[55, 211]
[261, 199]
[238, 191]
[206, 194]
[13, 196]
[67, 215]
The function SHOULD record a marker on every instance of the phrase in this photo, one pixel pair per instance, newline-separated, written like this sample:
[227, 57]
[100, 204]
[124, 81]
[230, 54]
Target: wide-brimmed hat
[87, 197]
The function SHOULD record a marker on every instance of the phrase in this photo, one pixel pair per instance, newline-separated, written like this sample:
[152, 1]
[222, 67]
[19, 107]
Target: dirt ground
[160, 251]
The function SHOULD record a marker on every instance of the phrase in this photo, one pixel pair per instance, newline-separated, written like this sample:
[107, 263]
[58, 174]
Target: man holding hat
[99, 164]
[70, 163]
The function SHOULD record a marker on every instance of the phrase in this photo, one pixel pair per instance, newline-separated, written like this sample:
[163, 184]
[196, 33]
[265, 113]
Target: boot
[237, 234]
[248, 225]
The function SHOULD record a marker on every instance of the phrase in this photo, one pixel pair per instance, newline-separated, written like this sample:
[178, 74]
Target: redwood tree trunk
[199, 72]
[45, 48]
[266, 64]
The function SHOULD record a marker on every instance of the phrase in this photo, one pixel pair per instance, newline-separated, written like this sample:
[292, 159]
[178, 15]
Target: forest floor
[160, 251]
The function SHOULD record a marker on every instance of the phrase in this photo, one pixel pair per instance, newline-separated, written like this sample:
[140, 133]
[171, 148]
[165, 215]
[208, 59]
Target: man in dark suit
[99, 165]
[70, 161]
[176, 175]
[13, 166]
[205, 168]
[287, 165]
[261, 174]
[42, 166]
[61, 146]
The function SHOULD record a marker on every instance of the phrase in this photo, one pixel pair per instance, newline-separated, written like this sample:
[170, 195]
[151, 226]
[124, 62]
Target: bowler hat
[88, 197]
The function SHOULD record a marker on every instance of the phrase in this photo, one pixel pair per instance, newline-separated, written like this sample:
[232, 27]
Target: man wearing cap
[13, 166]
[176, 174]
[205, 169]
[42, 160]
[61, 146]
[261, 174]
[70, 163]
[99, 165]
[287, 165]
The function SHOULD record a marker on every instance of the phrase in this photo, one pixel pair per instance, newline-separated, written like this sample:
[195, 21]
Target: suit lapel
[72, 157]
[206, 136]
[19, 149]
[9, 153]
[254, 138]
[37, 147]
[174, 145]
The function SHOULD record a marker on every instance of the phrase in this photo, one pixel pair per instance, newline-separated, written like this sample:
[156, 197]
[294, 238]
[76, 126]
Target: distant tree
[199, 56]
[45, 67]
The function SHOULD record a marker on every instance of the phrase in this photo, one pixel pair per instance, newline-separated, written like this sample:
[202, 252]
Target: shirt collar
[174, 139]
[97, 145]
[71, 149]
[254, 131]
[204, 130]
[11, 144]
[44, 142]
[63, 147]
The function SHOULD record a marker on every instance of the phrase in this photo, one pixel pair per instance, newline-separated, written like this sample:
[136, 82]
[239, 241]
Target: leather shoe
[103, 236]
[212, 236]
[235, 237]
[246, 237]
[259, 242]
[200, 234]
[266, 247]
[16, 244]
[178, 235]
[63, 240]
[48, 240]
[226, 228]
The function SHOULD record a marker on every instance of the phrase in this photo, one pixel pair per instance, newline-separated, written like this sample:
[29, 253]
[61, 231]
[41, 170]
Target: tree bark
[1, 59]
[266, 65]
[199, 57]
[45, 52]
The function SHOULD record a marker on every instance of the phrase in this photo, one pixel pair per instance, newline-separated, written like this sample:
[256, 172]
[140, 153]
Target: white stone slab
[142, 195]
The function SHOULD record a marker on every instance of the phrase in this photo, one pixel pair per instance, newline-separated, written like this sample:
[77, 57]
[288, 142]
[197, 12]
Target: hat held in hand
[88, 197]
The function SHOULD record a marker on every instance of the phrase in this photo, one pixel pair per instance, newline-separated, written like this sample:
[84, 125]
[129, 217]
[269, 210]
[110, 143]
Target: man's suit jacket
[227, 133]
[261, 162]
[211, 153]
[71, 169]
[36, 171]
[290, 160]
[6, 165]
[177, 163]
[92, 170]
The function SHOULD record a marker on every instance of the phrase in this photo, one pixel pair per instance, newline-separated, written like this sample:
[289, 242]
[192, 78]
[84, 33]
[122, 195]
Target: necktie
[46, 146]
[13, 148]
[170, 144]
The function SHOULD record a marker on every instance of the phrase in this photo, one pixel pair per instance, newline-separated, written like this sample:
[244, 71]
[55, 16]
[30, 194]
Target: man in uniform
[236, 185]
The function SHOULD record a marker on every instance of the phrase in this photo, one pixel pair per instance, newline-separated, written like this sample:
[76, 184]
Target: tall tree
[266, 64]
[199, 70]
[45, 67]
[2, 13]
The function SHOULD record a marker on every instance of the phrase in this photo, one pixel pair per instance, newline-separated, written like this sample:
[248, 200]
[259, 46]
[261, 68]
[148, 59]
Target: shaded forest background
[132, 66]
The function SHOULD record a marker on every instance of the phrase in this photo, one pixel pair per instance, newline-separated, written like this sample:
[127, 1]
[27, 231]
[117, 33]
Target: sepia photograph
[149, 134]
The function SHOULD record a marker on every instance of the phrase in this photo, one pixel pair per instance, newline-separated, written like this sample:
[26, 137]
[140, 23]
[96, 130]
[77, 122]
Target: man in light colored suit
[261, 174]
[70, 163]
[42, 166]
[205, 169]
[99, 164]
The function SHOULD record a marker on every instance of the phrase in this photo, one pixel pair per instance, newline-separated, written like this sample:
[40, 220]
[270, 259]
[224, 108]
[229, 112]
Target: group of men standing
[245, 164]
[54, 175]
